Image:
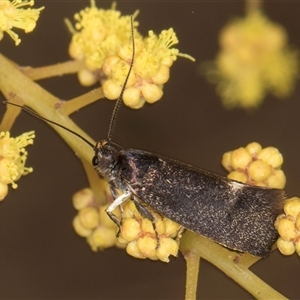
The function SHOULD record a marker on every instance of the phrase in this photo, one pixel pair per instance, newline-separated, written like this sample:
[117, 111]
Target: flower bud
[292, 207]
[75, 51]
[276, 180]
[151, 92]
[162, 76]
[80, 229]
[147, 246]
[86, 77]
[140, 104]
[167, 247]
[89, 217]
[271, 156]
[102, 237]
[120, 73]
[253, 148]
[125, 52]
[131, 96]
[286, 229]
[160, 226]
[226, 161]
[109, 64]
[121, 243]
[167, 61]
[111, 89]
[240, 158]
[238, 176]
[147, 226]
[259, 170]
[82, 198]
[172, 228]
[285, 247]
[130, 229]
[133, 250]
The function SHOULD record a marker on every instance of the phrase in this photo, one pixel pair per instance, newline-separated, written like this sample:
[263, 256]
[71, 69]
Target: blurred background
[41, 257]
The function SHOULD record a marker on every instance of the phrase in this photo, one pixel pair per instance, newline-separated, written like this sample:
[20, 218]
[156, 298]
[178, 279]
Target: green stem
[230, 263]
[192, 270]
[77, 103]
[15, 82]
[68, 67]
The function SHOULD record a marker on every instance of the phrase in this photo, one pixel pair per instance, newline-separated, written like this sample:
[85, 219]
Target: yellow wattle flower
[254, 60]
[140, 238]
[12, 14]
[13, 158]
[92, 222]
[98, 32]
[288, 227]
[151, 69]
[255, 165]
[102, 39]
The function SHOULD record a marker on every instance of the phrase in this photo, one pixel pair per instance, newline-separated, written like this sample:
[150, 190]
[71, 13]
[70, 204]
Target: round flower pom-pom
[255, 165]
[92, 221]
[143, 240]
[288, 227]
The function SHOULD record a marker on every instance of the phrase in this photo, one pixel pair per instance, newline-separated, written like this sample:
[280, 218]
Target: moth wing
[236, 215]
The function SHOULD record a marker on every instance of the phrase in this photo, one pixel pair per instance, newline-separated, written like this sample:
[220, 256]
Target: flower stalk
[79, 102]
[229, 263]
[192, 260]
[68, 67]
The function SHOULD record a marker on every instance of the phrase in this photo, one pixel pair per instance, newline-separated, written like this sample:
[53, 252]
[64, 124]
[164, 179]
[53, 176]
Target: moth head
[105, 159]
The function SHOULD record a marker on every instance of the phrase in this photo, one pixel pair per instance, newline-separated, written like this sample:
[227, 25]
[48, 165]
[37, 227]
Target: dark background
[40, 255]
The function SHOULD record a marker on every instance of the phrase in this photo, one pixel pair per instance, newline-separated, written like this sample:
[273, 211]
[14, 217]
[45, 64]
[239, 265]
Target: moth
[236, 215]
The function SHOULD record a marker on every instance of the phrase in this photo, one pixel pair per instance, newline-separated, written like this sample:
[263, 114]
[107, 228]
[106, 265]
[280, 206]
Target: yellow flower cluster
[255, 165]
[288, 227]
[92, 33]
[12, 14]
[137, 233]
[151, 69]
[254, 59]
[140, 238]
[92, 222]
[12, 159]
[102, 39]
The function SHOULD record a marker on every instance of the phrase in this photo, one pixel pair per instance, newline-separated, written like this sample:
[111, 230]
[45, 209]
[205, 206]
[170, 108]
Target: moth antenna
[117, 107]
[34, 114]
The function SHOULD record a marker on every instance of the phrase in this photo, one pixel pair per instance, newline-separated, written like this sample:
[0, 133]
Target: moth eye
[95, 161]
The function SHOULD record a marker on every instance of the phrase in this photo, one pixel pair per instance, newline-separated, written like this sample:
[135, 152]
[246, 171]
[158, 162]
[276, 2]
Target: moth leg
[145, 212]
[156, 235]
[115, 195]
[117, 202]
[113, 191]
[121, 220]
